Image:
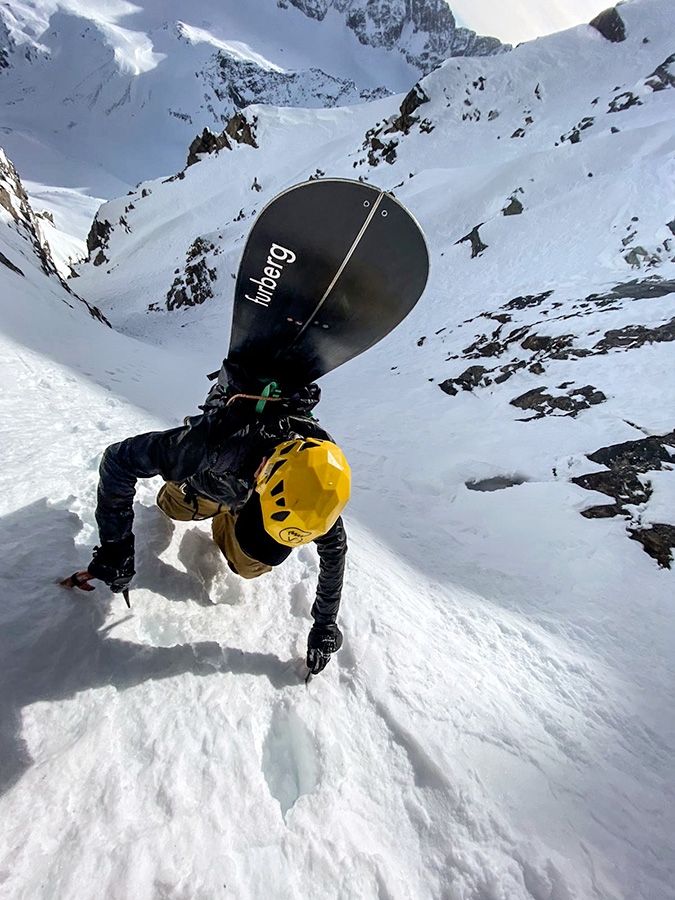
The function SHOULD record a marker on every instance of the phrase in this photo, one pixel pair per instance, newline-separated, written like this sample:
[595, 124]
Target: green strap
[270, 390]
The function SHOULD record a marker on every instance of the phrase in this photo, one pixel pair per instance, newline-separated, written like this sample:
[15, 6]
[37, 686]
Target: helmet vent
[280, 516]
[277, 489]
[307, 446]
[281, 502]
[275, 468]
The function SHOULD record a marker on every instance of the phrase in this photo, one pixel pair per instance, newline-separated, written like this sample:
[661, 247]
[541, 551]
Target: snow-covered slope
[119, 91]
[498, 722]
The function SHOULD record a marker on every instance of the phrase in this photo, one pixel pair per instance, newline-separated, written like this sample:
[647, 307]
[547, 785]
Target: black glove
[113, 562]
[323, 640]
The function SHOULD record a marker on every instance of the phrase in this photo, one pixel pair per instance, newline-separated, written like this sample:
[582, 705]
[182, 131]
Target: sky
[515, 21]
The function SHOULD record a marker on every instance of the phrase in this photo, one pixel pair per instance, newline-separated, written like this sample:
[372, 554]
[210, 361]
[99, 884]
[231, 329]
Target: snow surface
[499, 723]
[101, 95]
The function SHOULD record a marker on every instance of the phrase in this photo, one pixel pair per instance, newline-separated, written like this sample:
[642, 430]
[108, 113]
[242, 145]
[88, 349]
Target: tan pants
[173, 503]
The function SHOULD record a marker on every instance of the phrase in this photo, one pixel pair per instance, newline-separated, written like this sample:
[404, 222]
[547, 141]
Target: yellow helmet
[303, 488]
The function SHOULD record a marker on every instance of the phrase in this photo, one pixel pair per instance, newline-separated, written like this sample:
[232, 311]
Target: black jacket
[216, 456]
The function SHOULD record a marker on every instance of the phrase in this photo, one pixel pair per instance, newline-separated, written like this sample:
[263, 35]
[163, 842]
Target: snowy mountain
[424, 32]
[498, 723]
[114, 93]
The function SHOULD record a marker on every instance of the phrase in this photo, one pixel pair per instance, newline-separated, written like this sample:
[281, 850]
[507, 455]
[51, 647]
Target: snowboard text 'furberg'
[330, 267]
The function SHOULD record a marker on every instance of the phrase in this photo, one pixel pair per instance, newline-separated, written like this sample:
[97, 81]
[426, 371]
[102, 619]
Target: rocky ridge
[31, 248]
[425, 31]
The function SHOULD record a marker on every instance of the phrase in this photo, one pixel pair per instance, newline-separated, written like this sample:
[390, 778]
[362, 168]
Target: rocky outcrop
[624, 480]
[663, 76]
[570, 403]
[424, 31]
[241, 130]
[238, 129]
[6, 46]
[194, 285]
[406, 118]
[205, 143]
[237, 84]
[610, 25]
[97, 240]
[14, 200]
[526, 347]
[658, 541]
[474, 239]
[16, 210]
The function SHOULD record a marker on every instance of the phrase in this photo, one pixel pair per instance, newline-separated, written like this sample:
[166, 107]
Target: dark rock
[553, 346]
[241, 130]
[379, 23]
[606, 511]
[662, 77]
[658, 541]
[412, 101]
[621, 483]
[640, 456]
[636, 289]
[624, 101]
[509, 370]
[467, 381]
[477, 245]
[610, 25]
[206, 143]
[574, 136]
[497, 483]
[10, 265]
[625, 463]
[529, 300]
[633, 336]
[569, 404]
[514, 207]
[193, 287]
[448, 387]
[98, 237]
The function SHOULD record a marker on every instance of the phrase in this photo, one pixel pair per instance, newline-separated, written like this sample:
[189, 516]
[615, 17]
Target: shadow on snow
[53, 643]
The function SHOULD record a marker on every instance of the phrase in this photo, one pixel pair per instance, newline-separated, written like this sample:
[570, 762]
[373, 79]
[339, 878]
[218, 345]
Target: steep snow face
[81, 80]
[497, 724]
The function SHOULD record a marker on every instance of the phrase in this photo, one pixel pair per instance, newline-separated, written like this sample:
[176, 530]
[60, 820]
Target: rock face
[6, 46]
[237, 84]
[610, 25]
[28, 245]
[14, 200]
[425, 31]
[205, 143]
[516, 343]
[625, 480]
[194, 285]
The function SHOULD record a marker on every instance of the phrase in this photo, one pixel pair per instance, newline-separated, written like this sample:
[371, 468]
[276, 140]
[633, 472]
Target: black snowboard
[330, 267]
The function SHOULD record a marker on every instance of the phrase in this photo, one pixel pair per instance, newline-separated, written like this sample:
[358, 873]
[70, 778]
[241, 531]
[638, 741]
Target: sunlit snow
[498, 724]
